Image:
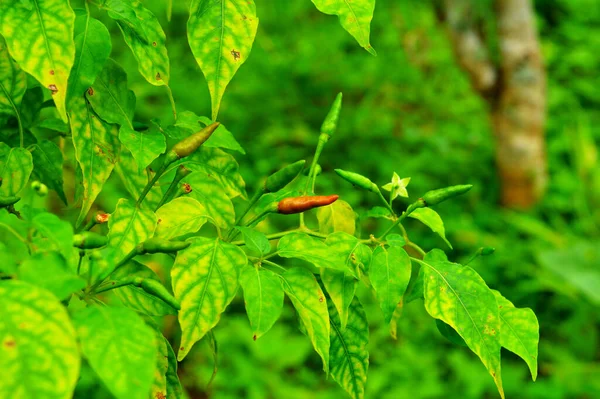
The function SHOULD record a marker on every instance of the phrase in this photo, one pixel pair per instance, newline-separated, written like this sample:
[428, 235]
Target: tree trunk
[515, 91]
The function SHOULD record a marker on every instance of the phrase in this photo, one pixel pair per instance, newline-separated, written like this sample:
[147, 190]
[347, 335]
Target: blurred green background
[410, 110]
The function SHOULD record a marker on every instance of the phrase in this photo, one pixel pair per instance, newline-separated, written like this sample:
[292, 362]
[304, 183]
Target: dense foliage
[147, 215]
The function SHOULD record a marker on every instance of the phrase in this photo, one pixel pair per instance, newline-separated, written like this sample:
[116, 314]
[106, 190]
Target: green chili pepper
[89, 240]
[288, 206]
[485, 251]
[8, 201]
[357, 180]
[156, 245]
[155, 288]
[331, 120]
[190, 144]
[283, 176]
[434, 197]
[40, 188]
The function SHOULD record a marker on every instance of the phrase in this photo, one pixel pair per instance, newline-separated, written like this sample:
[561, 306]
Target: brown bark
[515, 91]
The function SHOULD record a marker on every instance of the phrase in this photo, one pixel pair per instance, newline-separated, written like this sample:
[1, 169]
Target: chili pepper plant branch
[151, 183]
[172, 101]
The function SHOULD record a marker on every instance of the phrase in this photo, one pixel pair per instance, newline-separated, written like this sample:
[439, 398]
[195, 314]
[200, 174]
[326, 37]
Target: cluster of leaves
[66, 296]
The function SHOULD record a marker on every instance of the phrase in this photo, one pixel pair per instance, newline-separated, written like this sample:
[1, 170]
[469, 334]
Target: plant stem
[387, 205]
[151, 184]
[275, 265]
[172, 100]
[407, 212]
[252, 202]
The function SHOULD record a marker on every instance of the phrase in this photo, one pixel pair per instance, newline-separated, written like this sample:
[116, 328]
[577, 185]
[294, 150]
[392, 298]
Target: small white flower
[398, 186]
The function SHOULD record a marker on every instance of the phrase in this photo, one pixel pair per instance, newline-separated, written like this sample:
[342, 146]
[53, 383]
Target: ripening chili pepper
[434, 197]
[283, 176]
[330, 123]
[357, 180]
[155, 288]
[8, 201]
[288, 206]
[89, 240]
[156, 245]
[101, 217]
[190, 144]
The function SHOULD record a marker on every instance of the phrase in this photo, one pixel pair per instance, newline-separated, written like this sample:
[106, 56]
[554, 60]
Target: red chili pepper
[288, 206]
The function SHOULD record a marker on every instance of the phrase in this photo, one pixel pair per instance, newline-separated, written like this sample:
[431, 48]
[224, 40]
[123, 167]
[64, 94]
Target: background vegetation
[411, 109]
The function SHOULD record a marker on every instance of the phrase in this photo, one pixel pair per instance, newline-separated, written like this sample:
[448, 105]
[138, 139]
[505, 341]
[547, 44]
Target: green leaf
[355, 16]
[189, 123]
[395, 240]
[389, 273]
[121, 349]
[53, 234]
[309, 300]
[302, 246]
[219, 165]
[221, 33]
[459, 297]
[349, 356]
[144, 36]
[179, 217]
[205, 280]
[13, 83]
[50, 271]
[174, 389]
[128, 226]
[97, 150]
[92, 48]
[377, 212]
[135, 180]
[263, 296]
[110, 97]
[340, 285]
[159, 384]
[519, 332]
[135, 297]
[47, 166]
[14, 233]
[145, 146]
[338, 216]
[449, 333]
[16, 165]
[41, 41]
[8, 263]
[207, 190]
[39, 356]
[255, 241]
[431, 219]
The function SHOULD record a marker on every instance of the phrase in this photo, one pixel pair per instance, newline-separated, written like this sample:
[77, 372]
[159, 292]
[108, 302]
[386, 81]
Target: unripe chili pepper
[330, 123]
[357, 180]
[155, 288]
[40, 188]
[156, 245]
[485, 251]
[434, 197]
[288, 206]
[283, 176]
[317, 171]
[8, 201]
[190, 144]
[89, 240]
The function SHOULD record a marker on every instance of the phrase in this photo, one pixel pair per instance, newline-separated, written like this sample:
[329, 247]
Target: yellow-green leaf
[208, 191]
[121, 349]
[97, 150]
[221, 33]
[159, 385]
[13, 83]
[48, 162]
[458, 296]
[263, 296]
[355, 16]
[338, 216]
[349, 355]
[309, 300]
[128, 226]
[16, 165]
[174, 389]
[302, 246]
[431, 219]
[39, 356]
[389, 272]
[145, 146]
[519, 332]
[135, 180]
[179, 217]
[205, 280]
[40, 39]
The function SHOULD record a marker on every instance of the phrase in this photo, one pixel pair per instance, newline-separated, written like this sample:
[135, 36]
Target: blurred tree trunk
[514, 87]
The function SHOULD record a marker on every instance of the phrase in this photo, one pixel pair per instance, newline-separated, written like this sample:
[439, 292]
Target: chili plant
[75, 287]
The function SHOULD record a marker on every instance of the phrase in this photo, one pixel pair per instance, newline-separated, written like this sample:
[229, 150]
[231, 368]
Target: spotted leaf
[40, 39]
[128, 226]
[302, 246]
[221, 33]
[35, 325]
[338, 216]
[179, 217]
[208, 191]
[205, 280]
[16, 165]
[145, 146]
[174, 389]
[355, 16]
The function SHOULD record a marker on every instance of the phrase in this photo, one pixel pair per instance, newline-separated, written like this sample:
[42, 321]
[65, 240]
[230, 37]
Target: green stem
[171, 99]
[81, 254]
[387, 205]
[151, 184]
[114, 285]
[311, 173]
[254, 219]
[407, 212]
[275, 265]
[89, 224]
[252, 202]
[276, 236]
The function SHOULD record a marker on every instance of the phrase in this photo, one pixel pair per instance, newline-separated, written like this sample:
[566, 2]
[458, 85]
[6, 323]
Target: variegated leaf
[208, 191]
[355, 16]
[263, 296]
[48, 162]
[145, 146]
[40, 39]
[349, 355]
[221, 33]
[205, 280]
[174, 389]
[180, 217]
[338, 216]
[16, 165]
[35, 325]
[97, 150]
[309, 249]
[390, 273]
[135, 180]
[13, 83]
[159, 385]
[128, 226]
[309, 300]
[431, 219]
